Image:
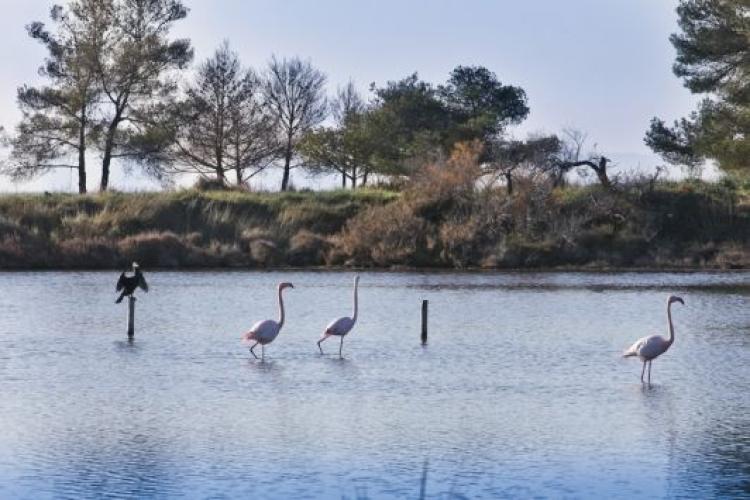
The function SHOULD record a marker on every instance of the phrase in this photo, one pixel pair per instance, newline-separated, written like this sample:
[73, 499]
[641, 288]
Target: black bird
[128, 284]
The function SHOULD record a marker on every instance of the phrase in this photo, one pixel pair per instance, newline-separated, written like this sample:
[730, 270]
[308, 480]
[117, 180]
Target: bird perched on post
[128, 284]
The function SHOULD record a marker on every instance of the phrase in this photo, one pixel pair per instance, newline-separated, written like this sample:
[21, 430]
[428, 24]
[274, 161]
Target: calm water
[520, 393]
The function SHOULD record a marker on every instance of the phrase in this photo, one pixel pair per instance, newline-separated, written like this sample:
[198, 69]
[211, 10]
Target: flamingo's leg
[325, 336]
[649, 371]
[253, 352]
[262, 352]
[643, 371]
[341, 345]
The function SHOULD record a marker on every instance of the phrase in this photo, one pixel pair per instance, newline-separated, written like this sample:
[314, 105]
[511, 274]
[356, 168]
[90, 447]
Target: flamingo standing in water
[649, 348]
[341, 326]
[263, 332]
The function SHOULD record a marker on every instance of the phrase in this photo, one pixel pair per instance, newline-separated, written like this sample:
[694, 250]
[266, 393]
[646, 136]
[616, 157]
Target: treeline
[118, 85]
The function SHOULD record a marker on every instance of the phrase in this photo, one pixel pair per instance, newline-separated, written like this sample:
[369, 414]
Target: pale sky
[600, 66]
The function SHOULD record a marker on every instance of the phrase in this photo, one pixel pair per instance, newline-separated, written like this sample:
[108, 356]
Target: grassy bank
[431, 224]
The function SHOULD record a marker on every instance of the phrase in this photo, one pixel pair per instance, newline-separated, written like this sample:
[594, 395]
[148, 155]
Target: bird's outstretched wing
[120, 283]
[142, 283]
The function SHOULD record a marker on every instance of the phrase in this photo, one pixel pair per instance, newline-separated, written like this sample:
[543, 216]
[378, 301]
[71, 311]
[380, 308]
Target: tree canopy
[58, 117]
[713, 58]
[221, 123]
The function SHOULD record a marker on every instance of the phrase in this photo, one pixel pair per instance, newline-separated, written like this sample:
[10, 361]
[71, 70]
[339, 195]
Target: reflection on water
[521, 391]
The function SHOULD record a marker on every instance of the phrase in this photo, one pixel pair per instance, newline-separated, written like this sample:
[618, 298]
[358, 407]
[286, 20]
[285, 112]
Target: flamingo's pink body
[341, 326]
[264, 332]
[650, 348]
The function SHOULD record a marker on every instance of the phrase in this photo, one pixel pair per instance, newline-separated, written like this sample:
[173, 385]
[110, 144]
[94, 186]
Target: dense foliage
[713, 58]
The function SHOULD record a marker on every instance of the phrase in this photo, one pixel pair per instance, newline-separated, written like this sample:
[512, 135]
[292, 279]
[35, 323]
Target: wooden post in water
[424, 321]
[131, 317]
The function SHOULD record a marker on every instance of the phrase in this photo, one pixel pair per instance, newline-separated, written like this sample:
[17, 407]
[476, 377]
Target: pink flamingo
[263, 332]
[341, 326]
[649, 348]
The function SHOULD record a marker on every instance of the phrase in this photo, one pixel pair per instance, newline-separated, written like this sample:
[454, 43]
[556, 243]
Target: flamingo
[649, 348]
[341, 326]
[263, 332]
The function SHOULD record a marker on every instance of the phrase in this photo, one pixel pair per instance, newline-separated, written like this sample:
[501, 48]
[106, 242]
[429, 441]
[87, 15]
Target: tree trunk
[109, 145]
[509, 182]
[343, 180]
[364, 178]
[220, 176]
[106, 161]
[82, 155]
[354, 178]
[220, 170]
[287, 162]
[237, 164]
[604, 179]
[601, 173]
[82, 171]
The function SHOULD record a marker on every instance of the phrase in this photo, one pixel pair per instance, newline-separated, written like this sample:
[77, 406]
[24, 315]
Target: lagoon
[521, 391]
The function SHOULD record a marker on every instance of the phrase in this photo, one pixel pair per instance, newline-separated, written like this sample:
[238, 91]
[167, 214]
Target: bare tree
[253, 141]
[221, 124]
[572, 152]
[348, 104]
[294, 91]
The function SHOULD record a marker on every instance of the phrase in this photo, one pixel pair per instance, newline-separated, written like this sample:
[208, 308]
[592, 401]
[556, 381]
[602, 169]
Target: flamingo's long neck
[671, 327]
[354, 314]
[281, 308]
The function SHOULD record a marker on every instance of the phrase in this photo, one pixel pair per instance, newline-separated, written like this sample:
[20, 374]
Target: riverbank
[689, 225]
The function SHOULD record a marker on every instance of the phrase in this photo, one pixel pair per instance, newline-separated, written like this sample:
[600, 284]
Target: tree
[537, 153]
[408, 126]
[676, 144]
[57, 118]
[713, 58]
[134, 59]
[416, 122]
[570, 157]
[482, 105]
[221, 124]
[294, 91]
[345, 148]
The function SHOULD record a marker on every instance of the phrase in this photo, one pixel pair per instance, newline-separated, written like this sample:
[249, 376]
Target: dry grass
[442, 218]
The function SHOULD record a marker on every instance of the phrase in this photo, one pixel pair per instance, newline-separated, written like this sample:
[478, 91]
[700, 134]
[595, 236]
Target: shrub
[153, 249]
[384, 236]
[308, 249]
[94, 253]
[210, 184]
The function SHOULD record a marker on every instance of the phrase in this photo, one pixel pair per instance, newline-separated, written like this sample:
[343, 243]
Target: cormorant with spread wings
[128, 284]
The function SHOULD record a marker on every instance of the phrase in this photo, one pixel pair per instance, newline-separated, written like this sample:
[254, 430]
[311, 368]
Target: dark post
[131, 317]
[424, 321]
